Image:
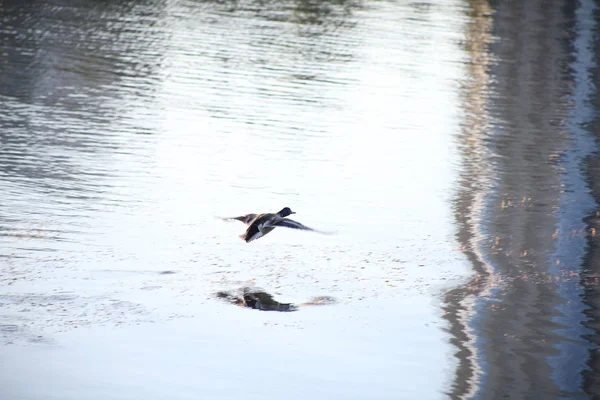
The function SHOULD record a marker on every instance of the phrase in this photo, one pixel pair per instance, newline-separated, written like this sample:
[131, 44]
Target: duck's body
[261, 224]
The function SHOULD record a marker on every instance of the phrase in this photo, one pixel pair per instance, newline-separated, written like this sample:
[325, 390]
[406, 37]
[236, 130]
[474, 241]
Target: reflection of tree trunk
[459, 302]
[512, 323]
[591, 265]
[591, 282]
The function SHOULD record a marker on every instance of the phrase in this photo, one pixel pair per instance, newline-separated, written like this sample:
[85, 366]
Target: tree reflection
[520, 208]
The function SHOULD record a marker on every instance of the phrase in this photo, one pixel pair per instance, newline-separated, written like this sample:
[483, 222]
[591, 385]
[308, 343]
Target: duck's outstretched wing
[247, 219]
[290, 223]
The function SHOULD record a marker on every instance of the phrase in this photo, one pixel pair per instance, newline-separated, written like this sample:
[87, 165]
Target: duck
[261, 224]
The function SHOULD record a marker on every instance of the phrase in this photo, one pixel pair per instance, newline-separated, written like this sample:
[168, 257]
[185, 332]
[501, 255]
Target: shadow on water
[527, 323]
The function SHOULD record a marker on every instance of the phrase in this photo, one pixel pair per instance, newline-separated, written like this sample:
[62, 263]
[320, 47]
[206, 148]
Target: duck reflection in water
[258, 299]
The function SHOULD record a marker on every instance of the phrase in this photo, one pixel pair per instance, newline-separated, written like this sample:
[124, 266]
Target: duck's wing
[247, 219]
[290, 223]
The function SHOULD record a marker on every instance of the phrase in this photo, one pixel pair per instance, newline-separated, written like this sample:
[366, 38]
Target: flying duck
[261, 224]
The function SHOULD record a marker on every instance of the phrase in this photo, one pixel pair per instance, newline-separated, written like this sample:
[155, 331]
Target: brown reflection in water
[514, 144]
[473, 181]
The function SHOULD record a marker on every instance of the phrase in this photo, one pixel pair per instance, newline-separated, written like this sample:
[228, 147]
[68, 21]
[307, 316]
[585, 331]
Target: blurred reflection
[474, 183]
[258, 299]
[76, 77]
[63, 90]
[523, 200]
[590, 273]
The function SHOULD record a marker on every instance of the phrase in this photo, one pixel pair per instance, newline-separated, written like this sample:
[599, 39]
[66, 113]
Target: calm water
[452, 145]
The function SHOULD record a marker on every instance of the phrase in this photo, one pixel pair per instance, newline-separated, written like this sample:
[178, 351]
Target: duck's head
[285, 212]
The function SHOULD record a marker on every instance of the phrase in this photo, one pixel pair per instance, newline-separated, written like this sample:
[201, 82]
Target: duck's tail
[246, 219]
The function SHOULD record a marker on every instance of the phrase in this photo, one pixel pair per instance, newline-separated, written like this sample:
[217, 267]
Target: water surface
[452, 146]
[127, 127]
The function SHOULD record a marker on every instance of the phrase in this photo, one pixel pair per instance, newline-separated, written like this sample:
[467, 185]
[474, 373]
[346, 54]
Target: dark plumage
[261, 224]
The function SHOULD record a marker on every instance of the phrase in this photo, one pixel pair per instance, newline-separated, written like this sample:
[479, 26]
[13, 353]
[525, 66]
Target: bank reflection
[522, 203]
[67, 86]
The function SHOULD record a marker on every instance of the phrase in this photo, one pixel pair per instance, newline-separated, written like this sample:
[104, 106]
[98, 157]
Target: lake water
[451, 145]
